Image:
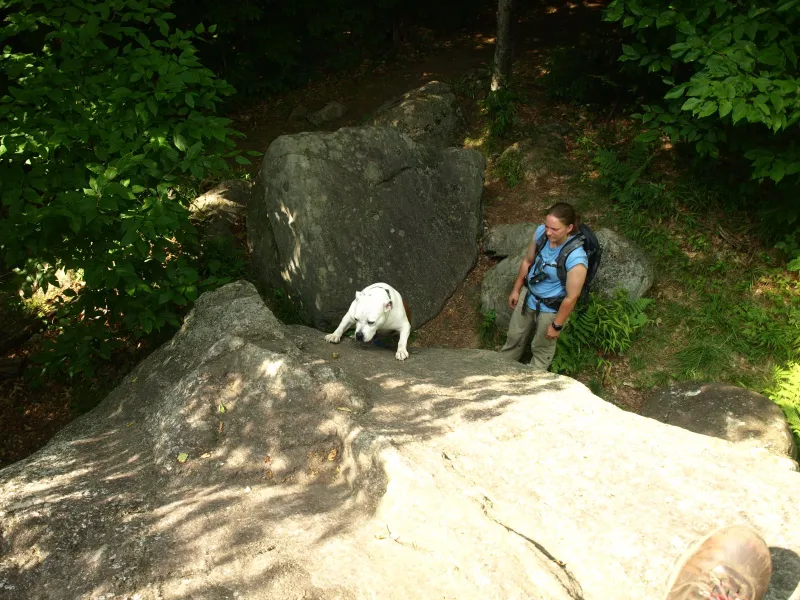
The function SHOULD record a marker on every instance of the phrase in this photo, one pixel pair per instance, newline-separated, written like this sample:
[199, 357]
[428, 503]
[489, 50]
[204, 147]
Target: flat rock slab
[453, 474]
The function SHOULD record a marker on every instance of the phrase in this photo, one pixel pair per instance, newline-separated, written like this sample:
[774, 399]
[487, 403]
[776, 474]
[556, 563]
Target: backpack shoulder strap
[540, 242]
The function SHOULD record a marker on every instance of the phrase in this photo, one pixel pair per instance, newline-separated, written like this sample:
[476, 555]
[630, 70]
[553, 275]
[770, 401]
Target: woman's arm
[576, 276]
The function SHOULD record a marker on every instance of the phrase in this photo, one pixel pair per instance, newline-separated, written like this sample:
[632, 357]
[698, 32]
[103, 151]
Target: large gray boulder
[725, 411]
[218, 209]
[429, 115]
[452, 474]
[496, 286]
[333, 213]
[329, 112]
[508, 239]
[623, 266]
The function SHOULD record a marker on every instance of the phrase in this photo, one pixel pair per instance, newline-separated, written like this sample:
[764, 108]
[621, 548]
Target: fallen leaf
[335, 355]
[221, 426]
[268, 459]
[221, 408]
[333, 454]
[206, 455]
[130, 424]
[182, 457]
[344, 408]
[269, 474]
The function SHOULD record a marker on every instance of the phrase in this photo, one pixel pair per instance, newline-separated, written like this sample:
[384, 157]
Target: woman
[548, 303]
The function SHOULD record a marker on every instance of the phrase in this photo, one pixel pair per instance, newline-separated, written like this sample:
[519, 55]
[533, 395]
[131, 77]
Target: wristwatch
[557, 327]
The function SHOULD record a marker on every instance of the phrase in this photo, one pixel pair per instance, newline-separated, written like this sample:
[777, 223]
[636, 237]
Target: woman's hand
[513, 298]
[551, 333]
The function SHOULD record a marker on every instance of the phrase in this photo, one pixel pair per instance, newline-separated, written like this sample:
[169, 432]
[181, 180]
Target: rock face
[623, 266]
[510, 239]
[428, 115]
[453, 474]
[220, 207]
[330, 112]
[724, 411]
[333, 213]
[496, 286]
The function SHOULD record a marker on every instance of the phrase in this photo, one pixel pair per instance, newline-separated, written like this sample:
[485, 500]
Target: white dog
[378, 307]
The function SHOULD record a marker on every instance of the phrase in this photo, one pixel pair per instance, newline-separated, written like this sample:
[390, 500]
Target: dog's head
[372, 309]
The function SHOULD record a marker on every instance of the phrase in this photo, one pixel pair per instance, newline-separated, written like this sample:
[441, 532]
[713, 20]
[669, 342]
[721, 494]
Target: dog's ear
[388, 306]
[358, 295]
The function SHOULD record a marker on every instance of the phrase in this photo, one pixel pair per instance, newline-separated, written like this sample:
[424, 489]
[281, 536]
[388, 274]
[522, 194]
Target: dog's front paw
[332, 338]
[401, 354]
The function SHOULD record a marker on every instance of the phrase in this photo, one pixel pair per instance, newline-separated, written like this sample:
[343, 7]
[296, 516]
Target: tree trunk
[501, 70]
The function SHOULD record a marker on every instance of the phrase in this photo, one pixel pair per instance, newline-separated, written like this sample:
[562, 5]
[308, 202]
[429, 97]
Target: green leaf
[183, 457]
[691, 103]
[665, 18]
[200, 28]
[725, 107]
[777, 101]
[648, 136]
[190, 99]
[786, 5]
[675, 92]
[194, 151]
[778, 171]
[630, 52]
[180, 142]
[740, 109]
[163, 28]
[709, 108]
[242, 160]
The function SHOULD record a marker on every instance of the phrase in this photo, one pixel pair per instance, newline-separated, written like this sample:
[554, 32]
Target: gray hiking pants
[525, 323]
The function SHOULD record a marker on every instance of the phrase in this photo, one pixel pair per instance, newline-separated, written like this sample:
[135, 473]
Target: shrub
[604, 326]
[500, 106]
[108, 126]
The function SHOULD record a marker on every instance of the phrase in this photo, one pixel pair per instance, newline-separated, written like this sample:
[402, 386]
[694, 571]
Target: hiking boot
[731, 563]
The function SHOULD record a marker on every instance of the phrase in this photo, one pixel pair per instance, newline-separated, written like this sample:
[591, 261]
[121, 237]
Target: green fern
[786, 393]
[604, 326]
[500, 107]
[487, 329]
[510, 168]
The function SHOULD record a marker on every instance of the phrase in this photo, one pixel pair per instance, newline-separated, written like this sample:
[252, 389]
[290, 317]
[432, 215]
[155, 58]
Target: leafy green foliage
[107, 127]
[730, 72]
[487, 329]
[604, 326]
[509, 168]
[500, 107]
[785, 392]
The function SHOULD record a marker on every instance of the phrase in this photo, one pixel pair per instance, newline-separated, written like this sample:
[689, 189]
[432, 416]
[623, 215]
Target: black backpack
[586, 238]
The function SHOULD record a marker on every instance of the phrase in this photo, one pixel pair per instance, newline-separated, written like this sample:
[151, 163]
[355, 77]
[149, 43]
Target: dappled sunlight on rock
[252, 463]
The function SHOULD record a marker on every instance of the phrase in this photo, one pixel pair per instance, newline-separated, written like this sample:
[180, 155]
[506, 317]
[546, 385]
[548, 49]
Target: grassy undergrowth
[726, 308]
